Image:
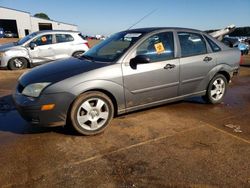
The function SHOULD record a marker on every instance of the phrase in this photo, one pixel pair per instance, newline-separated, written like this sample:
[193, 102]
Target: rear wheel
[91, 113]
[216, 89]
[78, 54]
[18, 63]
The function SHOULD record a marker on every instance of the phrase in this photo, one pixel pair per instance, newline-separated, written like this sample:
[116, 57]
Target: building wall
[22, 19]
[55, 25]
[25, 21]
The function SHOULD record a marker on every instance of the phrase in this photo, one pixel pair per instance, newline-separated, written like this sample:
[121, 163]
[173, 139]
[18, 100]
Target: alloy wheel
[93, 114]
[18, 63]
[218, 89]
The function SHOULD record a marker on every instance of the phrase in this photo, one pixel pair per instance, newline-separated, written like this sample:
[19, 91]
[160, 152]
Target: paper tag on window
[131, 35]
[159, 48]
[43, 39]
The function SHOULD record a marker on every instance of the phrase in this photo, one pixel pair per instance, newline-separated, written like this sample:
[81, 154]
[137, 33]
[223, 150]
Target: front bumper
[3, 62]
[236, 72]
[30, 108]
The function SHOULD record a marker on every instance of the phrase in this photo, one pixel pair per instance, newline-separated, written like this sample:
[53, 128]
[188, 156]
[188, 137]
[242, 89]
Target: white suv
[42, 47]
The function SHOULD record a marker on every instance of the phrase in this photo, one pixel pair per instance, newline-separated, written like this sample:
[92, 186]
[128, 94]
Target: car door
[43, 50]
[64, 46]
[195, 63]
[154, 82]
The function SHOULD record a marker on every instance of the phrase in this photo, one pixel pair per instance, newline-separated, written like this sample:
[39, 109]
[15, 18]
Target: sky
[110, 16]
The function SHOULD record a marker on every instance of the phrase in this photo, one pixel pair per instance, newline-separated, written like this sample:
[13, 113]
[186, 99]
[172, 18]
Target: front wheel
[91, 113]
[216, 89]
[18, 63]
[78, 54]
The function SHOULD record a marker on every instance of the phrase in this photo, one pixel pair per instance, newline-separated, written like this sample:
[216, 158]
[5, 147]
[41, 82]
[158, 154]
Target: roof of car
[57, 31]
[151, 29]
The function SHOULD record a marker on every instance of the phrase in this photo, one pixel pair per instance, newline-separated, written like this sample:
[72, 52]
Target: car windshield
[25, 39]
[113, 48]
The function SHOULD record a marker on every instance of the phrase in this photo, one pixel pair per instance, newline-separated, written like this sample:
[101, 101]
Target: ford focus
[131, 70]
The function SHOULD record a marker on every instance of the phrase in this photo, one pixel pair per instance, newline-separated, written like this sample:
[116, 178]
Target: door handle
[169, 66]
[206, 59]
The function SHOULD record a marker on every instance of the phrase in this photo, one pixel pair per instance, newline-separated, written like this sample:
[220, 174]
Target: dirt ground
[182, 144]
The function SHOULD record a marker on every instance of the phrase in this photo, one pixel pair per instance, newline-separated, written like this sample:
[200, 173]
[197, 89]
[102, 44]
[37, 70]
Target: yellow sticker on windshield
[159, 48]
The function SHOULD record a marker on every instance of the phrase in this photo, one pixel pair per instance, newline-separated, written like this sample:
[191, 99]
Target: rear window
[63, 38]
[212, 44]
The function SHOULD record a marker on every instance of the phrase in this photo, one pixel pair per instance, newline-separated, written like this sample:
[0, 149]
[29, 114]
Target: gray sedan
[131, 70]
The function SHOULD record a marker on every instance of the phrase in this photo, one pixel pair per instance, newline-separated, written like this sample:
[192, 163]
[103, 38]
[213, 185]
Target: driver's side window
[159, 47]
[43, 40]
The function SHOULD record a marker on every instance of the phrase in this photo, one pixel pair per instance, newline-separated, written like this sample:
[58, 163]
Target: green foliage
[42, 15]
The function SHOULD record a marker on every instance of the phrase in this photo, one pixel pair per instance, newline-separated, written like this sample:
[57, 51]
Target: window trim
[63, 34]
[125, 59]
[53, 39]
[157, 33]
[199, 34]
[207, 40]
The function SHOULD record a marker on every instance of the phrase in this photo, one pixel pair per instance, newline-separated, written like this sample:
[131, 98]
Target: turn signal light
[47, 107]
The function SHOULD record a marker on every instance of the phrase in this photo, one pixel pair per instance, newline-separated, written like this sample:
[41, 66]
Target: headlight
[1, 54]
[34, 90]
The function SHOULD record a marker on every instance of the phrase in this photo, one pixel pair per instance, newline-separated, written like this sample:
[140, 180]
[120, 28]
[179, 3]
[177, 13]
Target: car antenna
[142, 18]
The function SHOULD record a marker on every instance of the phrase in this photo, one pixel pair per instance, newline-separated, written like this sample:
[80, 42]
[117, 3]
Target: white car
[42, 47]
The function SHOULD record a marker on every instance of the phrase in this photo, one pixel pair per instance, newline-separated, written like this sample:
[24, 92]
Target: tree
[42, 15]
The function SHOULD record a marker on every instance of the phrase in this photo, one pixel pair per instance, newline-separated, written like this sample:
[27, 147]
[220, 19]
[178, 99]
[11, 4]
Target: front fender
[15, 53]
[113, 88]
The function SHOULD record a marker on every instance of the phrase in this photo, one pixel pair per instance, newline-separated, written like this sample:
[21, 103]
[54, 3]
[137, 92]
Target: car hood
[10, 46]
[59, 70]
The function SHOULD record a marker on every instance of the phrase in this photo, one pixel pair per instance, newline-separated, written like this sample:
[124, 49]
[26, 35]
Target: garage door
[45, 26]
[9, 26]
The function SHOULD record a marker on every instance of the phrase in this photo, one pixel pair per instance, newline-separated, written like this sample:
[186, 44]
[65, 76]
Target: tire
[216, 89]
[78, 54]
[17, 63]
[91, 113]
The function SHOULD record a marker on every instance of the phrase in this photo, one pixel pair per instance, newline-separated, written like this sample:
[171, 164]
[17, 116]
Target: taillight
[87, 44]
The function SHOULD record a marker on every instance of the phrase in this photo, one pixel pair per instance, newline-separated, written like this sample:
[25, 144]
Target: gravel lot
[183, 144]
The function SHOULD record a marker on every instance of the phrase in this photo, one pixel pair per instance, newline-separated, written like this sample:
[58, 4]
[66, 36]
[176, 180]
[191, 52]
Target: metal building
[22, 23]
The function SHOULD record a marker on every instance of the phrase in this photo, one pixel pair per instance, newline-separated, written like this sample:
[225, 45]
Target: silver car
[131, 70]
[42, 47]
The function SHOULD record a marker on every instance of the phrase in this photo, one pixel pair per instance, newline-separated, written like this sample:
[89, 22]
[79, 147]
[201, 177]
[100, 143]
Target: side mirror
[32, 45]
[139, 59]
